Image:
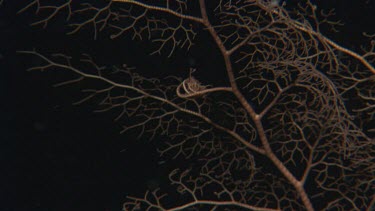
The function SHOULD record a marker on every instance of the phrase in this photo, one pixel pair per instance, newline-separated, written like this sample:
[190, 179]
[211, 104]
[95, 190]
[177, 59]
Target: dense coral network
[282, 133]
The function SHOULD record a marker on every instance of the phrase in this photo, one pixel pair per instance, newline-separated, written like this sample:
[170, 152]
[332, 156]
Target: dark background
[56, 156]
